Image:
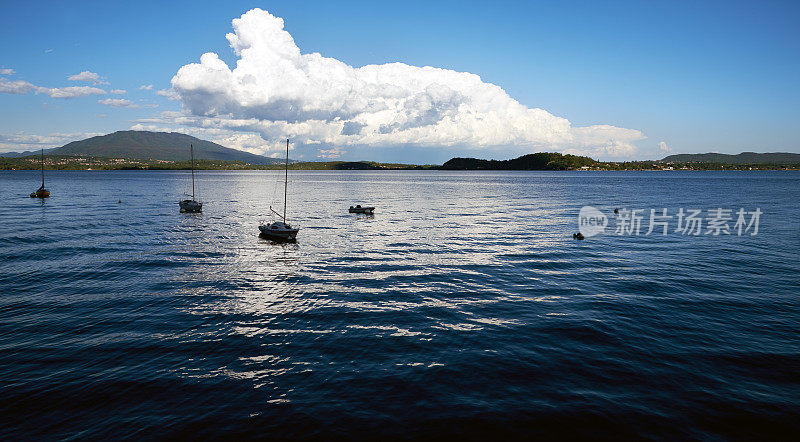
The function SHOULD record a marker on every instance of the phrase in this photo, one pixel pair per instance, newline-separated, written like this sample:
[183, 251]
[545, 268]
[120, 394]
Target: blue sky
[695, 76]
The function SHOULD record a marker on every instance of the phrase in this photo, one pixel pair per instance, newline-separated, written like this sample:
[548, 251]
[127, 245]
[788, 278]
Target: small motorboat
[359, 209]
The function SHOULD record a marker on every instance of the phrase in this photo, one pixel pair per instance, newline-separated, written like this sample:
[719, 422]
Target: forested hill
[534, 161]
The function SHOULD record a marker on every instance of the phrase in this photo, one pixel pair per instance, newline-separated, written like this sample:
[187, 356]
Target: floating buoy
[119, 202]
[578, 235]
[616, 211]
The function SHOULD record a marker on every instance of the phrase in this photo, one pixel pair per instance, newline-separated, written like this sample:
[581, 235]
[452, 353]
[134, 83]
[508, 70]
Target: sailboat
[41, 192]
[280, 230]
[191, 205]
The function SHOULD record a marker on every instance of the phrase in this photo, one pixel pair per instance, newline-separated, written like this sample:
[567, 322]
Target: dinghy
[359, 209]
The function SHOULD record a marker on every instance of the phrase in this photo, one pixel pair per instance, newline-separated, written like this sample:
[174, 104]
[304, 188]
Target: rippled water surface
[462, 308]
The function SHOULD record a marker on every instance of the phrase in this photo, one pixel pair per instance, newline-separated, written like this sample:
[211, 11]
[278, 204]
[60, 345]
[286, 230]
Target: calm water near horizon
[464, 307]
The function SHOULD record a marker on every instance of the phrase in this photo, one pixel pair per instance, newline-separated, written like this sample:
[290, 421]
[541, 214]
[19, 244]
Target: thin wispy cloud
[22, 141]
[7, 71]
[20, 87]
[118, 102]
[71, 91]
[118, 91]
[146, 87]
[176, 122]
[331, 153]
[277, 91]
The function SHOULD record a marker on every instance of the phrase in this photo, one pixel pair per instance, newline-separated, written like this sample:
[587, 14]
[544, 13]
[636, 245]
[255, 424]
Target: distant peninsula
[143, 150]
[742, 158]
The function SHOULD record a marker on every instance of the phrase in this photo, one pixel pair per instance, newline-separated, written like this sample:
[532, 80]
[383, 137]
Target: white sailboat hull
[278, 231]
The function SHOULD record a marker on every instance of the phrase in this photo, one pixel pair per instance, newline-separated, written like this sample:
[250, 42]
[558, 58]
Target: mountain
[168, 146]
[534, 161]
[742, 158]
[27, 153]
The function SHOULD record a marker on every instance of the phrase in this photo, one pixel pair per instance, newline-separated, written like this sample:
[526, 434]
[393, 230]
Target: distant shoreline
[146, 150]
[435, 168]
[532, 162]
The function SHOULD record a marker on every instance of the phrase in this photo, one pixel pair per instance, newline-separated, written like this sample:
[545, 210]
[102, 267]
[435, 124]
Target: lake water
[464, 307]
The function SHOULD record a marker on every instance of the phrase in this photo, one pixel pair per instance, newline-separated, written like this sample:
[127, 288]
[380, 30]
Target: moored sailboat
[191, 205]
[280, 230]
[41, 192]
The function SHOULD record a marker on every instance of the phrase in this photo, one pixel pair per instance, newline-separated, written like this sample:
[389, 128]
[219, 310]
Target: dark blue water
[464, 307]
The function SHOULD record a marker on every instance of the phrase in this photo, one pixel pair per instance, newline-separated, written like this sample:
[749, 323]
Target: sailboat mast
[43, 168]
[286, 181]
[191, 149]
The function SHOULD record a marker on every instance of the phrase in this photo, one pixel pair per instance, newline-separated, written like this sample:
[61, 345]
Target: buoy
[578, 235]
[616, 211]
[119, 202]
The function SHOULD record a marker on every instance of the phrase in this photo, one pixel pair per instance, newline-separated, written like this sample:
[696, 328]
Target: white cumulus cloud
[277, 91]
[663, 146]
[89, 77]
[169, 94]
[17, 87]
